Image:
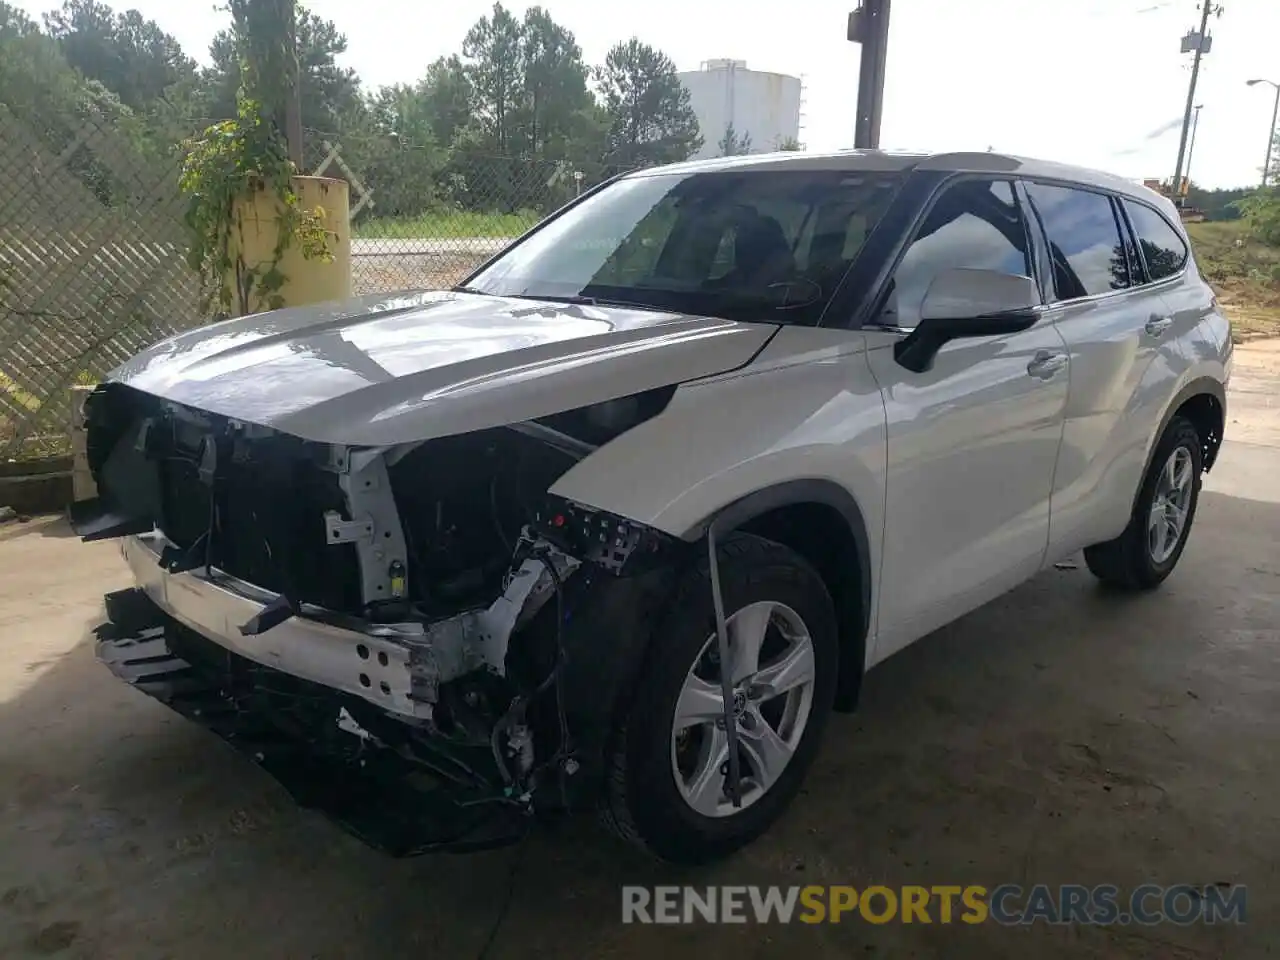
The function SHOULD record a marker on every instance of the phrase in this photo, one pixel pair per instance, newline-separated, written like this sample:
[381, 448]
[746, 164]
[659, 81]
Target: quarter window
[1162, 246]
[974, 225]
[1084, 240]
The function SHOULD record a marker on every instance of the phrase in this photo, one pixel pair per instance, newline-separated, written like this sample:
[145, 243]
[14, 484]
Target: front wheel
[1148, 550]
[668, 787]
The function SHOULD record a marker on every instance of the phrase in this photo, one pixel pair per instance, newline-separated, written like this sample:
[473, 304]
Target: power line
[1115, 10]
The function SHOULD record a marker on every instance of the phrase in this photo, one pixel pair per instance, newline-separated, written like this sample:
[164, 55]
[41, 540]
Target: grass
[1245, 274]
[22, 397]
[446, 224]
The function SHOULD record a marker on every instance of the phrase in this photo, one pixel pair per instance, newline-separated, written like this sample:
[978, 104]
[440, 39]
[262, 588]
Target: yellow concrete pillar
[255, 230]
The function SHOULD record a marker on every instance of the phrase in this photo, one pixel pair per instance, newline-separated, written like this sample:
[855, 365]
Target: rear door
[1115, 322]
[1165, 256]
[971, 441]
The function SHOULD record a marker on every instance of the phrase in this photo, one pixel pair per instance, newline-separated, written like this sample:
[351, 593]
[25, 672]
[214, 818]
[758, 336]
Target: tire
[1132, 560]
[648, 799]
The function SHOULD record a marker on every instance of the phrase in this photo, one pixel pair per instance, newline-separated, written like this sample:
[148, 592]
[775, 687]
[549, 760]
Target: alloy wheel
[771, 666]
[1169, 505]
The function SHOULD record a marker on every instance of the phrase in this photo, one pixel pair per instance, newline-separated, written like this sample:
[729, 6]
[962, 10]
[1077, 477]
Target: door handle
[1156, 326]
[1045, 364]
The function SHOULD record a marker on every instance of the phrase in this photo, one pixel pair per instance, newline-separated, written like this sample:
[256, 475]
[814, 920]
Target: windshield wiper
[580, 300]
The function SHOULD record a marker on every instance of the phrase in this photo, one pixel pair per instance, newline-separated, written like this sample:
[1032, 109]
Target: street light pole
[1271, 131]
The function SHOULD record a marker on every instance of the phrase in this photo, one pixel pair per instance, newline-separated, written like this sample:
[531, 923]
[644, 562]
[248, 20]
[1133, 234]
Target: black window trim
[1124, 223]
[1137, 263]
[1182, 238]
[874, 304]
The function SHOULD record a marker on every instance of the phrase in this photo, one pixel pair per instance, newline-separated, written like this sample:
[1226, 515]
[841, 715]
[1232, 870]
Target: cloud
[1155, 134]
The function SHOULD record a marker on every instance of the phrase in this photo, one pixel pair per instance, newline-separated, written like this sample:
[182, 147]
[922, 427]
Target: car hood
[394, 369]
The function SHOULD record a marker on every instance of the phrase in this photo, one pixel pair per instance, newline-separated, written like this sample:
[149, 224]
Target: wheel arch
[1208, 414]
[822, 522]
[1203, 401]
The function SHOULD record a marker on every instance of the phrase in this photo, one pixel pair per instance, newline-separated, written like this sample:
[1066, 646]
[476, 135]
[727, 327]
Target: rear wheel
[668, 789]
[1148, 550]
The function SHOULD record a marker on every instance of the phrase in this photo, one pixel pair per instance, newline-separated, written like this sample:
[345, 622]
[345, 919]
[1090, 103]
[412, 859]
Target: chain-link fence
[92, 243]
[92, 264]
[425, 218]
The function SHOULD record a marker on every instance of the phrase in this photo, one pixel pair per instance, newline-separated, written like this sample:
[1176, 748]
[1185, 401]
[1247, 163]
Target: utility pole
[1266, 167]
[1200, 42]
[1191, 147]
[293, 81]
[869, 27]
[266, 37]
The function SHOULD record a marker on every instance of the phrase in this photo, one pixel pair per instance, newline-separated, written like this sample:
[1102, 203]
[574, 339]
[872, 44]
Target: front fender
[807, 409]
[804, 424]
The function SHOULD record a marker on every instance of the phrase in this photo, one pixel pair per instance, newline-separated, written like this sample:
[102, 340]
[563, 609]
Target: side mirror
[968, 303]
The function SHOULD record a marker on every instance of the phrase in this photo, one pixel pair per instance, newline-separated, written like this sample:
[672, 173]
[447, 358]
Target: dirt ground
[1062, 734]
[414, 271]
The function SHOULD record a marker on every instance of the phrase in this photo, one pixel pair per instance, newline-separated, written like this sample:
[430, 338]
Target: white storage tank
[765, 106]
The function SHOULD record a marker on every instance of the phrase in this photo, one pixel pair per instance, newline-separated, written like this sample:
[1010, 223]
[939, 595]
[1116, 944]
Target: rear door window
[1163, 248]
[1084, 240]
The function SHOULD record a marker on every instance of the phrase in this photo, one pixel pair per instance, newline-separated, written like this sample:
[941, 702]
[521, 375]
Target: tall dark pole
[869, 27]
[1191, 147]
[1271, 142]
[1206, 8]
[293, 94]
[266, 37]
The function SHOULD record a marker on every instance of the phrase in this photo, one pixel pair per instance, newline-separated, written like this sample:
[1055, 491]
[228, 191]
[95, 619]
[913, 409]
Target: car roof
[893, 161]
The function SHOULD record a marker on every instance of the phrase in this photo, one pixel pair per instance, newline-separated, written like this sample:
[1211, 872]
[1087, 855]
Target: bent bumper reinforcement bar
[371, 791]
[378, 662]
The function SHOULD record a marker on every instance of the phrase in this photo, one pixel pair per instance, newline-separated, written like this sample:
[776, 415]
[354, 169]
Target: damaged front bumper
[353, 717]
[430, 610]
[397, 667]
[389, 665]
[380, 791]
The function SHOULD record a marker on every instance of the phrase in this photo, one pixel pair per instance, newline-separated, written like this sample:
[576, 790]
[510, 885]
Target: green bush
[1261, 210]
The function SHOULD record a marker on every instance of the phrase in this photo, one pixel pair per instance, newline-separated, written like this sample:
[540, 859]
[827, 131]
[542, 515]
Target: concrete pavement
[1061, 734]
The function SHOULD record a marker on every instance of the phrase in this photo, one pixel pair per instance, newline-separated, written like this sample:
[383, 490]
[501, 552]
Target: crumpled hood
[393, 369]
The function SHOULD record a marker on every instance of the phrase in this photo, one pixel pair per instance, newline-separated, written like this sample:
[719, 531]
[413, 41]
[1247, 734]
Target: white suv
[622, 518]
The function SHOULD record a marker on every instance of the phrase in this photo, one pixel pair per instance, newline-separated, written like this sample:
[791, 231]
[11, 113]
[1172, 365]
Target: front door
[972, 442]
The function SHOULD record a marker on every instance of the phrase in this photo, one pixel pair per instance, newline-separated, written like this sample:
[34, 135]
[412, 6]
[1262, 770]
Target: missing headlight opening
[438, 581]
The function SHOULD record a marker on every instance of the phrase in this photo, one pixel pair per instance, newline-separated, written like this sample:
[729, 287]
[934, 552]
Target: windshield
[743, 245]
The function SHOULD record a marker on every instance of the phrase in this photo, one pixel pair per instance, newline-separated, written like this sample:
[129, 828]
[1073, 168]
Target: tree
[393, 148]
[554, 94]
[734, 144]
[647, 108]
[127, 54]
[1217, 204]
[1261, 210]
[41, 88]
[38, 83]
[329, 94]
[493, 51]
[444, 96]
[266, 40]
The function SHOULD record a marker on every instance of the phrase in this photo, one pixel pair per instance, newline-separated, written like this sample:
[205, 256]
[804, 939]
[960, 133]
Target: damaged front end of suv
[416, 637]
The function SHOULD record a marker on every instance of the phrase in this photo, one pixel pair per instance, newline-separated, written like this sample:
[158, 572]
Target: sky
[1100, 83]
